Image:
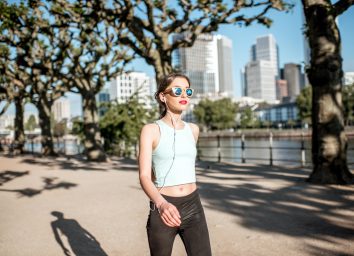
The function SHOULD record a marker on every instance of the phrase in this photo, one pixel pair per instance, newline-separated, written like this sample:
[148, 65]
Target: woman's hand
[169, 214]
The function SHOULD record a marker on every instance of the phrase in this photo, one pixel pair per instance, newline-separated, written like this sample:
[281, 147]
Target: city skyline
[262, 70]
[208, 64]
[287, 30]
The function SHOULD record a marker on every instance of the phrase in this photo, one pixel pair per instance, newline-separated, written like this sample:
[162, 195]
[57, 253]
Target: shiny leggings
[193, 229]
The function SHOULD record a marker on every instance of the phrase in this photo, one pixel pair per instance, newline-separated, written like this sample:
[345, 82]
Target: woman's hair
[163, 84]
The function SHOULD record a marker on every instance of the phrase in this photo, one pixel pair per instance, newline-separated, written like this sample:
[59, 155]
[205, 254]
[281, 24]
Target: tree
[329, 142]
[216, 115]
[348, 103]
[304, 104]
[94, 57]
[11, 75]
[36, 58]
[203, 111]
[148, 25]
[247, 119]
[121, 124]
[31, 123]
[223, 114]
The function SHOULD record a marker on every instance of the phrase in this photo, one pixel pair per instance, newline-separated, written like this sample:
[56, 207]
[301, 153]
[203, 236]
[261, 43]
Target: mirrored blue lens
[189, 92]
[177, 91]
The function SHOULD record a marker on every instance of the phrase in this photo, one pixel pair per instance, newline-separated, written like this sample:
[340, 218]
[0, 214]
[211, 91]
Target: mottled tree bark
[44, 112]
[329, 142]
[92, 142]
[19, 140]
[163, 67]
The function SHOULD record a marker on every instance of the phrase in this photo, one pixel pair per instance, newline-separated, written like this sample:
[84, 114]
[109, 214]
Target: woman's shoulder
[194, 127]
[150, 128]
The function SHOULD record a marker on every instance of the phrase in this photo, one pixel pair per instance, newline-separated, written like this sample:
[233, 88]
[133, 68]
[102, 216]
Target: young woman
[167, 174]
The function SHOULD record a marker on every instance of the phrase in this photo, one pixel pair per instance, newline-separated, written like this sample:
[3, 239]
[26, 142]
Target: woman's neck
[173, 119]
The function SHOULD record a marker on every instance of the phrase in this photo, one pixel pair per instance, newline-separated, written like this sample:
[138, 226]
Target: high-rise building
[282, 89]
[243, 82]
[208, 63]
[262, 71]
[261, 80]
[102, 97]
[225, 65]
[61, 109]
[348, 78]
[125, 85]
[6, 121]
[292, 74]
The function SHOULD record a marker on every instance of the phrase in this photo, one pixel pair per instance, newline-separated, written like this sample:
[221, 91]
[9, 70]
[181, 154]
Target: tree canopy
[216, 115]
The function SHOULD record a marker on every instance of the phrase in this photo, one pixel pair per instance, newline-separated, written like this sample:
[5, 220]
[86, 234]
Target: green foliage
[216, 115]
[60, 128]
[120, 126]
[247, 119]
[202, 112]
[304, 104]
[31, 123]
[78, 128]
[348, 104]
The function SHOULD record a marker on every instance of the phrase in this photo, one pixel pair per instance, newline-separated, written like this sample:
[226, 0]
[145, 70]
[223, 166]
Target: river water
[285, 151]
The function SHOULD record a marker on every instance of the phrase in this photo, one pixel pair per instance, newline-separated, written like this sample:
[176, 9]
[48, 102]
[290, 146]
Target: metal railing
[271, 148]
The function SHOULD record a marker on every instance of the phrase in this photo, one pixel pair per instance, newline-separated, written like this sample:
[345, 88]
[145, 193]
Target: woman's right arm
[168, 212]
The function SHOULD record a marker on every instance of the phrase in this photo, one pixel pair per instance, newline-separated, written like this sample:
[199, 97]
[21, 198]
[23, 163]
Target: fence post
[78, 145]
[303, 156]
[271, 149]
[243, 148]
[64, 142]
[32, 146]
[219, 150]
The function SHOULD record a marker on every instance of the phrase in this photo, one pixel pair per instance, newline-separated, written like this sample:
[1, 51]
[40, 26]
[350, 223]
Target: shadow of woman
[82, 242]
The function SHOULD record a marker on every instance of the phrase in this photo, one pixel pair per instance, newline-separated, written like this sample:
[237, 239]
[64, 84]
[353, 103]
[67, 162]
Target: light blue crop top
[183, 168]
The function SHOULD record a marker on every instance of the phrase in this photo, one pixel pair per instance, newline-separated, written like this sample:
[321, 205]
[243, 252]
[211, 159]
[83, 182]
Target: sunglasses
[177, 91]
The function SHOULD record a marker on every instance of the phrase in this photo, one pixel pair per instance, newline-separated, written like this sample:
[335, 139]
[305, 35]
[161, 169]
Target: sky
[287, 30]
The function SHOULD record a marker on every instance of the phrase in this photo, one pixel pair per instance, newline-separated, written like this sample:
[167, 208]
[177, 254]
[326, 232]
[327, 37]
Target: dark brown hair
[163, 84]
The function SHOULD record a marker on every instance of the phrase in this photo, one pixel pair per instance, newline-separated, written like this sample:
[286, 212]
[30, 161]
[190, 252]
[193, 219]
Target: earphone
[174, 123]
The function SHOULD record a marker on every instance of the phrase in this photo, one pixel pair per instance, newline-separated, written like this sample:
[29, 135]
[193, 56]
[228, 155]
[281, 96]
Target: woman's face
[176, 103]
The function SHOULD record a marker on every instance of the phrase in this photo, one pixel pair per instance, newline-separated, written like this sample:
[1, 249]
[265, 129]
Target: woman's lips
[183, 102]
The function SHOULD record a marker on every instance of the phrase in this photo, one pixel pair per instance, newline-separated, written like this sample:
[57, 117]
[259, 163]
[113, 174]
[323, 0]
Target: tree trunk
[19, 140]
[44, 112]
[329, 142]
[92, 141]
[163, 67]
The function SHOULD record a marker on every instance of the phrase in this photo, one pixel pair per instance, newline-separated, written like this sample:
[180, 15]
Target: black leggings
[193, 229]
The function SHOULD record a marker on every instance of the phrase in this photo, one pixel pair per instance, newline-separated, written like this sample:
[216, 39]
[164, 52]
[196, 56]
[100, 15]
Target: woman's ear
[162, 97]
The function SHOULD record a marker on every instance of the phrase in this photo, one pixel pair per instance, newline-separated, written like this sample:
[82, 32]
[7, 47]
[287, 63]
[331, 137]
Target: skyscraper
[126, 84]
[260, 80]
[348, 78]
[208, 63]
[263, 69]
[225, 65]
[61, 109]
[292, 74]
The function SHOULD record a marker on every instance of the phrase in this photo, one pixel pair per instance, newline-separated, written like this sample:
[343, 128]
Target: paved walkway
[57, 206]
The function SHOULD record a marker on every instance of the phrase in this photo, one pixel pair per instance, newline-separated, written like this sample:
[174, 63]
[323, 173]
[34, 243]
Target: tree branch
[341, 6]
